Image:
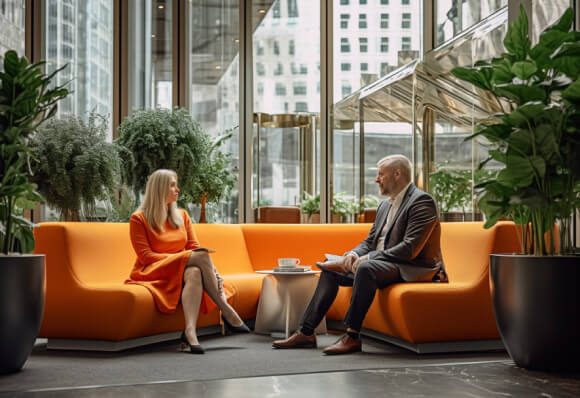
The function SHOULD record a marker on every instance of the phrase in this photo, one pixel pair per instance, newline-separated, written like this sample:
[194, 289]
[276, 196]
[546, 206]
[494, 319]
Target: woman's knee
[192, 275]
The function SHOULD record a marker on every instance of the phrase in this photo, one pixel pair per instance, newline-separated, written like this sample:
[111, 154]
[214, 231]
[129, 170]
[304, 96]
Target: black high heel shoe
[231, 329]
[194, 349]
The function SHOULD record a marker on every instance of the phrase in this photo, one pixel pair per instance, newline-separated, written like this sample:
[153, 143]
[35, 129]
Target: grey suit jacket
[412, 242]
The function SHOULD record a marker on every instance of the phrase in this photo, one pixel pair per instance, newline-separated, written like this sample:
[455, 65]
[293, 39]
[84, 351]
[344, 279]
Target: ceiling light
[161, 6]
[218, 66]
[153, 36]
[261, 11]
[236, 40]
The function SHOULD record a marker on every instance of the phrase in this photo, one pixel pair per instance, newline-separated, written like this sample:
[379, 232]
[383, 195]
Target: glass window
[345, 66]
[362, 2]
[259, 49]
[385, 68]
[291, 47]
[346, 89]
[276, 48]
[384, 21]
[406, 21]
[344, 45]
[303, 69]
[279, 69]
[364, 67]
[405, 43]
[276, 9]
[260, 69]
[13, 35]
[363, 44]
[299, 88]
[385, 2]
[344, 21]
[362, 21]
[343, 2]
[405, 2]
[77, 34]
[260, 88]
[301, 106]
[214, 70]
[150, 55]
[292, 9]
[384, 44]
[280, 89]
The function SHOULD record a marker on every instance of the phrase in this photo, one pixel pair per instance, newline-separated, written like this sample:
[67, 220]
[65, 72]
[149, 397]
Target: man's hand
[349, 260]
[358, 262]
[334, 265]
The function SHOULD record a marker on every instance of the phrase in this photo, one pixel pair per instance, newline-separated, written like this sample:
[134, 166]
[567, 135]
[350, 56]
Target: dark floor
[246, 366]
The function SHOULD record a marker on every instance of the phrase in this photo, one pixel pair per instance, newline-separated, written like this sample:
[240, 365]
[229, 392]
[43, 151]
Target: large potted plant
[536, 142]
[214, 177]
[26, 100]
[153, 139]
[74, 165]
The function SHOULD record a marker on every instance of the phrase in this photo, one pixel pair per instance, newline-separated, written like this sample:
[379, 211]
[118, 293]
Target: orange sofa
[89, 307]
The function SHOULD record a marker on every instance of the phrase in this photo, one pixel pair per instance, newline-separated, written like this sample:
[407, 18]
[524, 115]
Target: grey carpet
[226, 357]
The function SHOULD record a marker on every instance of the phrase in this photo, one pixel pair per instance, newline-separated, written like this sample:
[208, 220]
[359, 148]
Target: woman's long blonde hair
[154, 206]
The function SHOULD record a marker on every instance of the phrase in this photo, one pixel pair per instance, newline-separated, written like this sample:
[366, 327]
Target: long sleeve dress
[161, 260]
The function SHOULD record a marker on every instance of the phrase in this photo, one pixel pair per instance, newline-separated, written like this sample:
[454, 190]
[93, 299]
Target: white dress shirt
[395, 204]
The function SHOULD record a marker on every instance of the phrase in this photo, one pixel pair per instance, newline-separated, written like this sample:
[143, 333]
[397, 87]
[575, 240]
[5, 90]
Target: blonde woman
[167, 263]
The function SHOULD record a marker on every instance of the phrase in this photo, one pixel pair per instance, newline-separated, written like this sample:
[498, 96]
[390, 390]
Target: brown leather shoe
[297, 340]
[344, 345]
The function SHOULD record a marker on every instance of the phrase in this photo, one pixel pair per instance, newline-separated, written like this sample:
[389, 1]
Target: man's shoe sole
[311, 345]
[343, 352]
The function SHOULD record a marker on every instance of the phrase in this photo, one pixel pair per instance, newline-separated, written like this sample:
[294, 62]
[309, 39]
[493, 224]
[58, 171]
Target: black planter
[21, 308]
[537, 309]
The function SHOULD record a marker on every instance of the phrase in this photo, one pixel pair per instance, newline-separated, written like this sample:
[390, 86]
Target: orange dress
[161, 260]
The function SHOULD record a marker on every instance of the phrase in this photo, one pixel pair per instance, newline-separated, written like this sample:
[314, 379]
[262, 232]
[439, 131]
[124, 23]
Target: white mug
[288, 262]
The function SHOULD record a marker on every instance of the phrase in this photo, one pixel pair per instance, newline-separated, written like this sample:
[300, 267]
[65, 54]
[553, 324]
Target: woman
[168, 263]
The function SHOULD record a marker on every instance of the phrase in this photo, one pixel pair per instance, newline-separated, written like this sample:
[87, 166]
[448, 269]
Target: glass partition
[80, 34]
[214, 65]
[12, 15]
[286, 78]
[150, 54]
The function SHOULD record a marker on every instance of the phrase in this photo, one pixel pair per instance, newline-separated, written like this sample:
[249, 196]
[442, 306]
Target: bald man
[403, 245]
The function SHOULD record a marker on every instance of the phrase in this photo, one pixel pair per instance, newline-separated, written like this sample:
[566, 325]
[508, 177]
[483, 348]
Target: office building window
[364, 67]
[301, 106]
[362, 21]
[346, 89]
[260, 69]
[260, 88]
[259, 48]
[406, 21]
[291, 47]
[276, 48]
[362, 2]
[279, 69]
[280, 89]
[405, 43]
[344, 21]
[384, 44]
[384, 68]
[343, 2]
[303, 69]
[405, 2]
[344, 45]
[345, 66]
[384, 21]
[363, 43]
[384, 2]
[299, 88]
[292, 9]
[276, 9]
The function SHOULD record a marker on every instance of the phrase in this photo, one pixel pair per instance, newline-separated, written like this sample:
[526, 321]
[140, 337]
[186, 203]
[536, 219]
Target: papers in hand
[204, 249]
[299, 268]
[333, 257]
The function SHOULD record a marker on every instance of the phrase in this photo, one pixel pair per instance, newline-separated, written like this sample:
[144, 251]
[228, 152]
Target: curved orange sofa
[87, 301]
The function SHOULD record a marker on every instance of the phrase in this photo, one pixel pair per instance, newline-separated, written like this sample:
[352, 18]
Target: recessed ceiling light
[236, 40]
[153, 36]
[161, 6]
[262, 11]
[218, 66]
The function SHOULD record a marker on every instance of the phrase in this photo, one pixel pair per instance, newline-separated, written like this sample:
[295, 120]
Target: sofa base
[114, 346]
[438, 347]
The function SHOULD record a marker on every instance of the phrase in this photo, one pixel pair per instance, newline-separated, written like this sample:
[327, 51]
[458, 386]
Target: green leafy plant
[536, 137]
[160, 138]
[75, 166]
[214, 177]
[310, 204]
[26, 101]
[451, 189]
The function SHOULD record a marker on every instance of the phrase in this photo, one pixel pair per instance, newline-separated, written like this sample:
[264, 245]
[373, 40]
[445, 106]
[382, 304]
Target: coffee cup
[288, 262]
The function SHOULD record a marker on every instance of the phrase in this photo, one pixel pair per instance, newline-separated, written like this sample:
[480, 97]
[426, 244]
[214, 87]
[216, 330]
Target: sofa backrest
[309, 242]
[466, 247]
[96, 252]
[231, 255]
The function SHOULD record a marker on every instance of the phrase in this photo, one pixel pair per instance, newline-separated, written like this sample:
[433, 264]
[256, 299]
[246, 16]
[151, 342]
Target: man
[402, 246]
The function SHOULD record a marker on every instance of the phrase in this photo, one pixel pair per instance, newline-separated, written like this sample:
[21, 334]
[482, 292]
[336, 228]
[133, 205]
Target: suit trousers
[370, 276]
